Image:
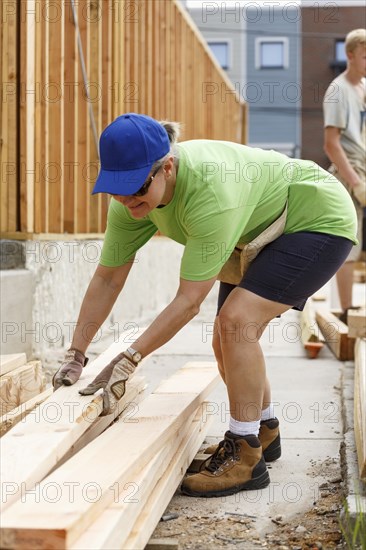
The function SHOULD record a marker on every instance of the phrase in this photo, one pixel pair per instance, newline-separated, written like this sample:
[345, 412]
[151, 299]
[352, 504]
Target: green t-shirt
[227, 193]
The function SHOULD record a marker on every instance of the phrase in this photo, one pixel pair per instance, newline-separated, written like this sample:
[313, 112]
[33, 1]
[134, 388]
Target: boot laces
[226, 450]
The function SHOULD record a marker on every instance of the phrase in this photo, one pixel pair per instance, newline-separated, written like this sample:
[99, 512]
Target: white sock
[268, 413]
[244, 428]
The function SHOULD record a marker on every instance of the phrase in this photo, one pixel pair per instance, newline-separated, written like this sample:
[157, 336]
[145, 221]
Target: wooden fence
[144, 56]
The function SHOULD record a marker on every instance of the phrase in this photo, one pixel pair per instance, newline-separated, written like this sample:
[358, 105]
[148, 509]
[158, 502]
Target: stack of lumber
[336, 334]
[22, 386]
[360, 404]
[82, 487]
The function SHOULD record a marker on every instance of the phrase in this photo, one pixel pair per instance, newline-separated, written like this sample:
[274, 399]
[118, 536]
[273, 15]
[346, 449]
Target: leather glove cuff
[74, 354]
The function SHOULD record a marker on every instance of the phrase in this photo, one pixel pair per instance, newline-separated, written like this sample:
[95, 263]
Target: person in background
[344, 108]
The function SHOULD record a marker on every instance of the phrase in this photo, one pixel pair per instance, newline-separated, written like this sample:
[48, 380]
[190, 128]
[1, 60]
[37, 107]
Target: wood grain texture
[145, 56]
[61, 419]
[133, 396]
[158, 419]
[165, 488]
[112, 529]
[336, 335]
[310, 331]
[360, 405]
[20, 385]
[11, 361]
[356, 322]
[16, 415]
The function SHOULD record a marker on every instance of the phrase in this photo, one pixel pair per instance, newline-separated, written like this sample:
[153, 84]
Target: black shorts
[290, 269]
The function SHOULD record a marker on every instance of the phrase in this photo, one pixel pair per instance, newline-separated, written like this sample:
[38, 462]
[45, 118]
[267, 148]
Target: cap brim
[124, 183]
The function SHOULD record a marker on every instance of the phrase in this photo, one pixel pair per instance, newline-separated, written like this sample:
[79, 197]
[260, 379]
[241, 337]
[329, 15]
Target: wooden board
[159, 417]
[62, 419]
[11, 361]
[336, 335]
[133, 396]
[356, 322]
[310, 331]
[359, 272]
[163, 492]
[311, 335]
[12, 418]
[360, 405]
[114, 525]
[20, 385]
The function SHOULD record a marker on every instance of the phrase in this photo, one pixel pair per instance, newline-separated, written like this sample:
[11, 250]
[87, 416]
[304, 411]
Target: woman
[214, 197]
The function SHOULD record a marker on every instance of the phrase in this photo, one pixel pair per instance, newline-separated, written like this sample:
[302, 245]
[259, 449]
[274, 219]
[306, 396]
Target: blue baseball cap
[128, 148]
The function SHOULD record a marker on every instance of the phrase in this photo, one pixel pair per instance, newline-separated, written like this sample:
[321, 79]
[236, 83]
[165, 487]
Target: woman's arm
[102, 292]
[335, 152]
[176, 315]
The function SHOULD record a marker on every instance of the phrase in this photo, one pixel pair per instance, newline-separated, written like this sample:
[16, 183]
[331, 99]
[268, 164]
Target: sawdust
[319, 528]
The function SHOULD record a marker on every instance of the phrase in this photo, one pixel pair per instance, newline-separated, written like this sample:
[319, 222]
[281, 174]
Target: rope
[85, 77]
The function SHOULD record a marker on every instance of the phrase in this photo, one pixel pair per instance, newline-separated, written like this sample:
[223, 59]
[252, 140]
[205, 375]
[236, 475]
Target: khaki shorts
[355, 253]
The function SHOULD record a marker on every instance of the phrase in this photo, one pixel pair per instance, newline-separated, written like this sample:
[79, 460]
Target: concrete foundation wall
[41, 306]
[16, 301]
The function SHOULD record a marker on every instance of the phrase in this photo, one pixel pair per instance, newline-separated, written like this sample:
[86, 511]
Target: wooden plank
[149, 66]
[134, 394]
[93, 65]
[360, 405]
[23, 117]
[60, 525]
[336, 335]
[69, 190]
[39, 128]
[311, 336]
[4, 149]
[11, 361]
[20, 385]
[107, 85]
[55, 160]
[356, 322]
[62, 418]
[359, 272]
[162, 544]
[9, 43]
[164, 491]
[11, 99]
[113, 526]
[28, 199]
[9, 420]
[81, 130]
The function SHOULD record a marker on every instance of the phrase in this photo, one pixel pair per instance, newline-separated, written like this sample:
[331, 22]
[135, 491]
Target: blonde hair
[354, 39]
[173, 130]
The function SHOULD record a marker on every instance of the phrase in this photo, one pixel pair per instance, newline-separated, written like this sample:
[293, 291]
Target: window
[271, 53]
[339, 63]
[340, 51]
[221, 52]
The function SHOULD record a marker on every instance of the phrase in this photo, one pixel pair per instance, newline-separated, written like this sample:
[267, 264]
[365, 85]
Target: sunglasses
[144, 189]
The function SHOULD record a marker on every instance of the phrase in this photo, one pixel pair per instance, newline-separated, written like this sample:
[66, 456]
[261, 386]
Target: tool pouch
[243, 254]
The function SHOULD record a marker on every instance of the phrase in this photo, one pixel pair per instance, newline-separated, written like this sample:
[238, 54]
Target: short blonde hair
[354, 39]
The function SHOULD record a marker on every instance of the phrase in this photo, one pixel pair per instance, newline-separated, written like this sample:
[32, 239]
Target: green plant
[353, 528]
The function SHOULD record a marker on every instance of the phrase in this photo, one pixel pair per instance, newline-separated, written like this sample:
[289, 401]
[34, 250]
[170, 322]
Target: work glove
[113, 380]
[70, 370]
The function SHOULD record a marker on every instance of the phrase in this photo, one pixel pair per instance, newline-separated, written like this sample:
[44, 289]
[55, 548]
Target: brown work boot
[237, 465]
[269, 436]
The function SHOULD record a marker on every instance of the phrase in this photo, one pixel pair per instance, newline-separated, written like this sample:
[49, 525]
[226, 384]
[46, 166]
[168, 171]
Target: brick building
[323, 32]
